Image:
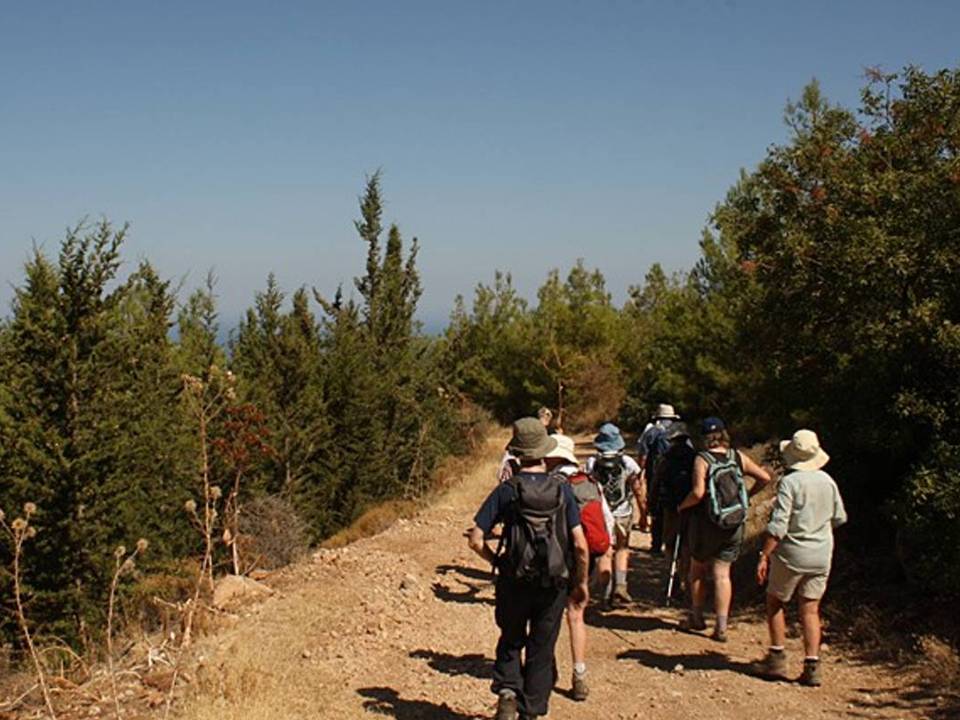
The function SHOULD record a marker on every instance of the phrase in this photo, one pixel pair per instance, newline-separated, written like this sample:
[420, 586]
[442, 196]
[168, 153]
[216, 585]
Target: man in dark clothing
[531, 589]
[674, 479]
[651, 445]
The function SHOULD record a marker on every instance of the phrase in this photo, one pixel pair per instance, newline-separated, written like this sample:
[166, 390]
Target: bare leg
[722, 588]
[605, 572]
[810, 620]
[622, 558]
[776, 621]
[578, 634]
[698, 585]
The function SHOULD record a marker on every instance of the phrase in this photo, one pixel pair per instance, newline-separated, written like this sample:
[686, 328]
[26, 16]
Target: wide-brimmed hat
[803, 451]
[564, 449]
[530, 440]
[665, 412]
[609, 439]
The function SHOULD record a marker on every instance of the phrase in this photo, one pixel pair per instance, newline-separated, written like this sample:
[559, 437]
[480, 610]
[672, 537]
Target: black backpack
[611, 474]
[677, 474]
[536, 533]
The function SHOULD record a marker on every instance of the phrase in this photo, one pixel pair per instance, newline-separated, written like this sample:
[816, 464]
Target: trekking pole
[674, 562]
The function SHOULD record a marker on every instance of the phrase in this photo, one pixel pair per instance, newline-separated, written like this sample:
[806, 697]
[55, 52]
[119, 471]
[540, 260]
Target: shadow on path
[466, 571]
[387, 701]
[710, 660]
[627, 623]
[474, 664]
[474, 580]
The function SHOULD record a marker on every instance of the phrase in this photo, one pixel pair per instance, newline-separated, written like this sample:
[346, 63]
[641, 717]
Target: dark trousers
[529, 621]
[656, 528]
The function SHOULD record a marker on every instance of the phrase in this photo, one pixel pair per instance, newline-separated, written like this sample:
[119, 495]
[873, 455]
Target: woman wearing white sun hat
[798, 550]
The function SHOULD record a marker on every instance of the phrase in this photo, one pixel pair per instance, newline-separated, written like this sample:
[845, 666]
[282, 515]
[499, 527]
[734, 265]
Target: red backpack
[587, 493]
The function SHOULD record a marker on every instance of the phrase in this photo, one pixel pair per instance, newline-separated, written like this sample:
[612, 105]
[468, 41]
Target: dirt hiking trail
[401, 625]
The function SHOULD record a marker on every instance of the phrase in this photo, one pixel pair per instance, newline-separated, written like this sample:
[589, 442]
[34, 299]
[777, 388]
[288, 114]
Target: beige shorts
[784, 582]
[621, 530]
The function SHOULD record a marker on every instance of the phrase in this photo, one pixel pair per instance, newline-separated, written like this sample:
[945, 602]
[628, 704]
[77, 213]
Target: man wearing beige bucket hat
[798, 550]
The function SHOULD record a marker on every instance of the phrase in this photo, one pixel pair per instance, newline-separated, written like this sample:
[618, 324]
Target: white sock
[621, 576]
[579, 668]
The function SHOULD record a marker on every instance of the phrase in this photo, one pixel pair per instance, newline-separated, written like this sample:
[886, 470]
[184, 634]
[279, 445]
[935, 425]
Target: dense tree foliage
[826, 295]
[117, 431]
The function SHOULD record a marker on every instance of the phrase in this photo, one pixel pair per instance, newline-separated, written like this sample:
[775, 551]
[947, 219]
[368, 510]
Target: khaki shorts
[621, 530]
[784, 582]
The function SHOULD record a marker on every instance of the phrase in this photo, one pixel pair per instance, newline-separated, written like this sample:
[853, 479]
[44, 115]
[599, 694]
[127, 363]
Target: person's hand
[580, 595]
[763, 569]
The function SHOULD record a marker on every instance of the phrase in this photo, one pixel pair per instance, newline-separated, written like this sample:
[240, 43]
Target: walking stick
[674, 562]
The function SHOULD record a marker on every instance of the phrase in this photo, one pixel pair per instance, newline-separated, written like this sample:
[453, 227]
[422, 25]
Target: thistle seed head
[2, 515]
[128, 566]
[19, 525]
[215, 492]
[142, 545]
[120, 552]
[29, 509]
[31, 532]
[190, 506]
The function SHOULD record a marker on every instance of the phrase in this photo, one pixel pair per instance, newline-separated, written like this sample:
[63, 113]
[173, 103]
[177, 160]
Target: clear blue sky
[516, 135]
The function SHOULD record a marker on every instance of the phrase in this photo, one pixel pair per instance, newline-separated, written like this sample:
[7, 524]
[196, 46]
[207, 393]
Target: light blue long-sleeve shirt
[807, 508]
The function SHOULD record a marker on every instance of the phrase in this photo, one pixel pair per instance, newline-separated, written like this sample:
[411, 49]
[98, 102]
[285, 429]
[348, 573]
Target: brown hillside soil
[401, 625]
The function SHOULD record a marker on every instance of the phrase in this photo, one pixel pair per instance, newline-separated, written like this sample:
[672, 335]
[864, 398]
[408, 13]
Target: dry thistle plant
[124, 564]
[205, 402]
[20, 530]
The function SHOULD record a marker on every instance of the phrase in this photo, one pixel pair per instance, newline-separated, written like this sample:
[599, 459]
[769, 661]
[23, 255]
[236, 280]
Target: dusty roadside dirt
[401, 625]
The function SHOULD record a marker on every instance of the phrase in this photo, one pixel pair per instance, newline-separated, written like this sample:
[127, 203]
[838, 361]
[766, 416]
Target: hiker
[509, 466]
[717, 503]
[597, 523]
[650, 446]
[798, 549]
[673, 478]
[545, 415]
[544, 558]
[617, 474]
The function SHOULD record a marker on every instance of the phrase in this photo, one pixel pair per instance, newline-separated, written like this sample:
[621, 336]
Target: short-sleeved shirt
[807, 508]
[653, 442]
[492, 511]
[631, 469]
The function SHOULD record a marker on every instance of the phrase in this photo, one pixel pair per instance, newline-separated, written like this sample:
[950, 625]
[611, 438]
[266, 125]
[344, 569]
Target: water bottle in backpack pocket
[537, 536]
[726, 501]
[611, 474]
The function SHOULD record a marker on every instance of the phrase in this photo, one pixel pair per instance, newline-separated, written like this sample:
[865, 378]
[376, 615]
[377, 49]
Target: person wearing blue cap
[618, 475]
[717, 507]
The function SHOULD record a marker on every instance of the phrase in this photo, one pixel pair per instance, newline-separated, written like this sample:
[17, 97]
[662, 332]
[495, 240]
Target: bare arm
[477, 543]
[757, 472]
[699, 487]
[763, 563]
[580, 594]
[581, 554]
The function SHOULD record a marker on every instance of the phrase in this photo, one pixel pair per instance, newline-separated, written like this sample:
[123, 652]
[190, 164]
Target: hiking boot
[773, 666]
[621, 595]
[580, 689]
[506, 705]
[719, 635]
[811, 673]
[691, 624]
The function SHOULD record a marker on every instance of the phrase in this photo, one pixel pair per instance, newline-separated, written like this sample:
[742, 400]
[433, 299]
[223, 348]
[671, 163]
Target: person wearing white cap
[652, 444]
[798, 550]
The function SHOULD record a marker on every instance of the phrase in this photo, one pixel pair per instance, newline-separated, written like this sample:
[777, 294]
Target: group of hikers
[564, 524]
